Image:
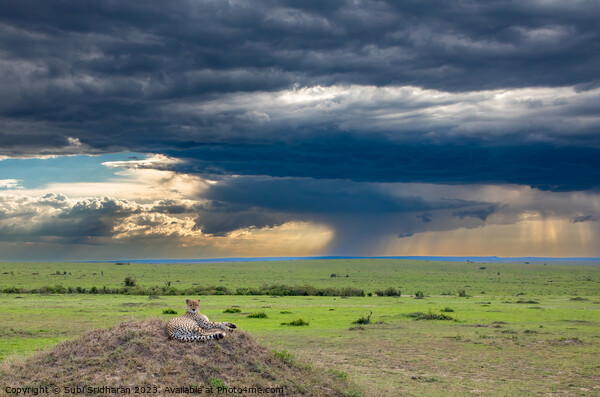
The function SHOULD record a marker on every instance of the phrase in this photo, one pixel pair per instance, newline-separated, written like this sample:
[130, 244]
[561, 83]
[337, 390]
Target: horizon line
[443, 258]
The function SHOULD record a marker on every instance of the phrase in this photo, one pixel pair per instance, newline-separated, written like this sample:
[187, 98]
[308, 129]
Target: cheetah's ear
[187, 301]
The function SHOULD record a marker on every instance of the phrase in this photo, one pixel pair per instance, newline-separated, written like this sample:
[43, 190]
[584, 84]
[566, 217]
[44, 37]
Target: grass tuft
[364, 320]
[297, 323]
[257, 315]
[428, 316]
[232, 310]
[283, 355]
[338, 374]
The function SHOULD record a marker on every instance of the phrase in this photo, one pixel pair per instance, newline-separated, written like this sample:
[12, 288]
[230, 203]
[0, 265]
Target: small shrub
[129, 281]
[351, 291]
[419, 295]
[428, 316]
[169, 311]
[216, 383]
[283, 355]
[257, 315]
[447, 310]
[482, 268]
[285, 312]
[529, 302]
[370, 294]
[333, 275]
[297, 323]
[339, 374]
[232, 310]
[391, 291]
[462, 293]
[363, 320]
[357, 328]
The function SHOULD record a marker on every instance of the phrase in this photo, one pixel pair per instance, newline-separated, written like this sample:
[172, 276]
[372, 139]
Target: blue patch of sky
[36, 173]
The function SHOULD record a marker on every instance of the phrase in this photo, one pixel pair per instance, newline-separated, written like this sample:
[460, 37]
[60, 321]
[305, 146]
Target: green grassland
[493, 345]
[431, 277]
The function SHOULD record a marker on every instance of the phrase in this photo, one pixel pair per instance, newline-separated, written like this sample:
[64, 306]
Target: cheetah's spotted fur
[194, 326]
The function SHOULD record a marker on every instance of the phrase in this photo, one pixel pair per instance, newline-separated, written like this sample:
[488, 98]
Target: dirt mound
[139, 356]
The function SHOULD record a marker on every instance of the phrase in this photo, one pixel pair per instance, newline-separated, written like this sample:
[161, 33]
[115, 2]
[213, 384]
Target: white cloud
[547, 112]
[10, 184]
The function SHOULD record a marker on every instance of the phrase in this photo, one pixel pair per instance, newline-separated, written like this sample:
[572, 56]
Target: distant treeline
[278, 290]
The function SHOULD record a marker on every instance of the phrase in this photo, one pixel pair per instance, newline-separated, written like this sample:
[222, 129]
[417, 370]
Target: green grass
[494, 346]
[488, 348]
[430, 277]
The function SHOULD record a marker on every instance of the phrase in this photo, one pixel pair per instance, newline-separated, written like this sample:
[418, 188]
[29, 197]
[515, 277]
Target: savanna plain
[421, 328]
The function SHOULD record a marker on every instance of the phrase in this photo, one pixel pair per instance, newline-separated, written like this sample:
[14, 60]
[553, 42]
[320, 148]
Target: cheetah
[194, 326]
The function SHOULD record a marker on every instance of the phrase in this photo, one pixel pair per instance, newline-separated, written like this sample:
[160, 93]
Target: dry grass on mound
[138, 353]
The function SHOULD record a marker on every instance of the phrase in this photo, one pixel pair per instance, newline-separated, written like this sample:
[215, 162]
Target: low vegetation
[298, 323]
[388, 292]
[530, 302]
[428, 316]
[257, 315]
[364, 320]
[133, 289]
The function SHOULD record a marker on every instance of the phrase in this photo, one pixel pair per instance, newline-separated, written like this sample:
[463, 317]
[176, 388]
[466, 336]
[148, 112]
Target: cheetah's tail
[197, 337]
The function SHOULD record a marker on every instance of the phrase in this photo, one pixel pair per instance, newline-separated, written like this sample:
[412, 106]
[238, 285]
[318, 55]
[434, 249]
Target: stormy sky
[182, 129]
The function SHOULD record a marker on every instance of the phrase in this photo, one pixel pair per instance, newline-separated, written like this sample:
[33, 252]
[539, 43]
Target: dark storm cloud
[352, 209]
[220, 223]
[583, 218]
[479, 213]
[102, 71]
[311, 105]
[542, 166]
[426, 217]
[454, 46]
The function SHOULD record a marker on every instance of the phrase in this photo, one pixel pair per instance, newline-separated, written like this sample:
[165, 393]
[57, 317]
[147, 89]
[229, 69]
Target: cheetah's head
[192, 305]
